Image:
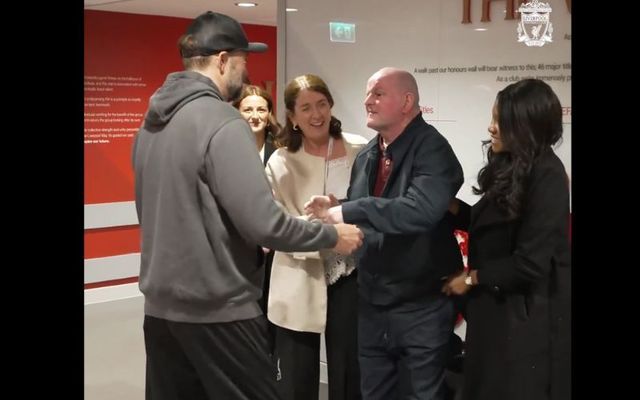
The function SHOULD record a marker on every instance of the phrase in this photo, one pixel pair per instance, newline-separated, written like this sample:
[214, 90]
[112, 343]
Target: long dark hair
[292, 138]
[273, 128]
[530, 122]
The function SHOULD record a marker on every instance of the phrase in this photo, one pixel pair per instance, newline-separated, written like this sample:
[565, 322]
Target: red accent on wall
[108, 242]
[113, 282]
[126, 58]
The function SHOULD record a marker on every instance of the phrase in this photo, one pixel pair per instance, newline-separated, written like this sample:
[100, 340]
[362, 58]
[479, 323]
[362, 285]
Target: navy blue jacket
[409, 242]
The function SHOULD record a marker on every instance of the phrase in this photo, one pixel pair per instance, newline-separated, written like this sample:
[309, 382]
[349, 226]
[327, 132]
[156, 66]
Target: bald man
[401, 185]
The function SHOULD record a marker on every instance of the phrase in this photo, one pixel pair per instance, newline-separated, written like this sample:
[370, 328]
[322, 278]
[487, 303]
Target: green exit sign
[342, 32]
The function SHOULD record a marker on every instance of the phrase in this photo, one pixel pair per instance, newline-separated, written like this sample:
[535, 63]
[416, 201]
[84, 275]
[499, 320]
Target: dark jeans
[193, 361]
[403, 349]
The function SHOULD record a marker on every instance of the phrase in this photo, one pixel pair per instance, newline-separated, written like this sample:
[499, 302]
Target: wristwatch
[468, 281]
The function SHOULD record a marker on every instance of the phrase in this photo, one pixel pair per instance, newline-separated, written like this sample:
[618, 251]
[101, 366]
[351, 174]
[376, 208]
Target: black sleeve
[463, 218]
[436, 178]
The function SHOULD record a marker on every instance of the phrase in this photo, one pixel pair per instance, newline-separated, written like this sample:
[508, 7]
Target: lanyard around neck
[326, 165]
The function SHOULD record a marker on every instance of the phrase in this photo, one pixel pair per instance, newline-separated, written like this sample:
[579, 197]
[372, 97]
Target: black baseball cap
[214, 32]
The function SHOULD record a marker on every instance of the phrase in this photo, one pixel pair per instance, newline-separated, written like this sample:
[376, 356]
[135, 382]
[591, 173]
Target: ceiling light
[480, 29]
[246, 4]
[291, 9]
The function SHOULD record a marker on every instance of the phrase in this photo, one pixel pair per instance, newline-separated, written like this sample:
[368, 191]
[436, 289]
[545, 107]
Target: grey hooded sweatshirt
[204, 206]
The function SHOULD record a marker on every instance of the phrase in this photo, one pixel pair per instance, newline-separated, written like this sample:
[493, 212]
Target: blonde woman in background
[312, 293]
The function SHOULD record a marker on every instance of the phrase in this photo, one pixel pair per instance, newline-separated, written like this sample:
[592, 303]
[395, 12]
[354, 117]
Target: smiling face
[494, 131]
[255, 110]
[312, 114]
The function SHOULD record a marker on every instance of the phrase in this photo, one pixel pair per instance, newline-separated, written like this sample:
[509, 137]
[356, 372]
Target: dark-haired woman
[256, 106]
[313, 293]
[518, 290]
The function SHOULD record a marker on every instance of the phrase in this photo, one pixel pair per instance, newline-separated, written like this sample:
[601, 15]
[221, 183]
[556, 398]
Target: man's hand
[334, 215]
[349, 239]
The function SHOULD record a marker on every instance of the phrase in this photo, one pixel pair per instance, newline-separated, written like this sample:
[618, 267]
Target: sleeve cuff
[351, 213]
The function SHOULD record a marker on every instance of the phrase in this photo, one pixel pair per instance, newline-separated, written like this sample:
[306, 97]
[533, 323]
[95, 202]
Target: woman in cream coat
[312, 293]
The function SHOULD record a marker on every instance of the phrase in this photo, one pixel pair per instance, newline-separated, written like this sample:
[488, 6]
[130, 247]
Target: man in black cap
[201, 198]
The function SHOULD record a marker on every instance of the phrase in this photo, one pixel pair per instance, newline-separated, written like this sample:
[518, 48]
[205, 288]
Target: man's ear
[409, 100]
[223, 59]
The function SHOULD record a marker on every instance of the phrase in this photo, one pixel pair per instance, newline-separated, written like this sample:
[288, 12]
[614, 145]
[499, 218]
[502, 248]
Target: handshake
[328, 210]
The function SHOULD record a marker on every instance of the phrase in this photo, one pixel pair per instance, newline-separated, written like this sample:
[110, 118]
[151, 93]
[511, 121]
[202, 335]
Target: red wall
[120, 46]
[126, 58]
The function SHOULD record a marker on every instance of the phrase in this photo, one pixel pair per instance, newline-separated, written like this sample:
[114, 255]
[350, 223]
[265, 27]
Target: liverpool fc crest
[534, 28]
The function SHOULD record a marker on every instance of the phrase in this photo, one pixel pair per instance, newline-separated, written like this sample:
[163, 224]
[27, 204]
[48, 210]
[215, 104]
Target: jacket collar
[398, 149]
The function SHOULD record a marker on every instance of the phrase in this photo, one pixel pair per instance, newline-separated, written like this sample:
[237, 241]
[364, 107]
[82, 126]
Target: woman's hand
[456, 284]
[318, 206]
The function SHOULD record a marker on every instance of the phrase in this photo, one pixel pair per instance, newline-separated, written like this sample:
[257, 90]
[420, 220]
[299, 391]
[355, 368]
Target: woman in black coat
[518, 290]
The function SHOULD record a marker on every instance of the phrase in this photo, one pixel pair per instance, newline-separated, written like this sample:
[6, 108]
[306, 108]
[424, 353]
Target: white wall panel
[106, 215]
[111, 293]
[418, 35]
[110, 268]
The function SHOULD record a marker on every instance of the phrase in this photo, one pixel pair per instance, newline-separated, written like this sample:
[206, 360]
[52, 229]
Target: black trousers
[268, 262]
[404, 349]
[192, 361]
[298, 363]
[341, 335]
[298, 353]
[264, 301]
